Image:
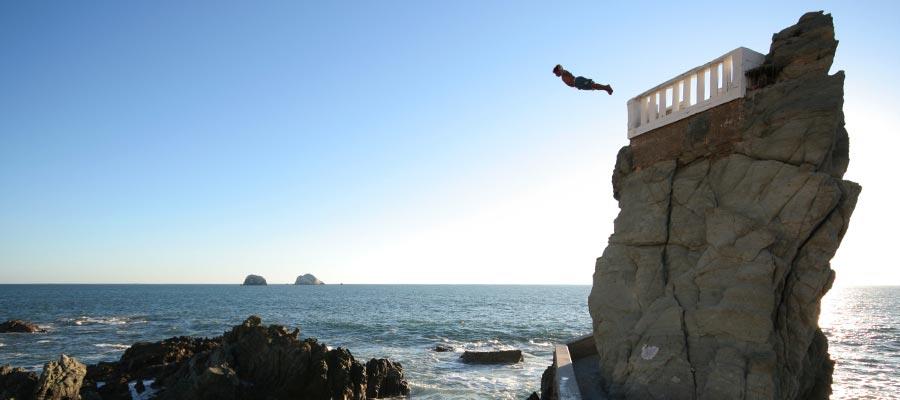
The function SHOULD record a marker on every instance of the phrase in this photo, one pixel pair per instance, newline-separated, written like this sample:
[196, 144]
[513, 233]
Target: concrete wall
[710, 133]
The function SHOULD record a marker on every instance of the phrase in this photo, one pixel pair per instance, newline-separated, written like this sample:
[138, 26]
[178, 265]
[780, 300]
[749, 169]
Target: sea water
[404, 323]
[863, 330]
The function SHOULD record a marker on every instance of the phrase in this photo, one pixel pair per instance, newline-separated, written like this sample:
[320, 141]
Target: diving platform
[699, 89]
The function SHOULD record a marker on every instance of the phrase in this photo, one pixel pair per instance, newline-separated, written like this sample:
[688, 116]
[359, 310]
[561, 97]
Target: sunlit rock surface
[711, 283]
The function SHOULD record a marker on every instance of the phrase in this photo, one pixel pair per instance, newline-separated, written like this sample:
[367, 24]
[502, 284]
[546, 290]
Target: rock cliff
[711, 283]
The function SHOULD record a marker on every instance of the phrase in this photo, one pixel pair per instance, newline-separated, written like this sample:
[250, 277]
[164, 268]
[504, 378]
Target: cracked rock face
[711, 284]
[61, 380]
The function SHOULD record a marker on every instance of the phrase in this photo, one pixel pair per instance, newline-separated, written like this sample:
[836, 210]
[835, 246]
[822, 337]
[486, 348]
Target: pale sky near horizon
[370, 142]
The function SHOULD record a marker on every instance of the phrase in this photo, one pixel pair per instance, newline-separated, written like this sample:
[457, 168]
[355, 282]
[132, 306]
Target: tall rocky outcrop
[710, 286]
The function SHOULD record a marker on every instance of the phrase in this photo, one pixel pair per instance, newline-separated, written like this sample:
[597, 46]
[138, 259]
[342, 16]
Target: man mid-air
[579, 82]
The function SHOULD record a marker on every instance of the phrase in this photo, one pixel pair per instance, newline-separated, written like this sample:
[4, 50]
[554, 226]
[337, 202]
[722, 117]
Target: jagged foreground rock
[711, 284]
[60, 380]
[251, 361]
[254, 361]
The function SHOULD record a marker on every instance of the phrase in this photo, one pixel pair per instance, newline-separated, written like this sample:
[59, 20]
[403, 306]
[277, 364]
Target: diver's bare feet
[609, 89]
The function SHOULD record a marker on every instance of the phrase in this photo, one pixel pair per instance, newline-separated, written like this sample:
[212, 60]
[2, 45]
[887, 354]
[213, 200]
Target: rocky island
[254, 280]
[250, 361]
[711, 283]
[20, 326]
[308, 279]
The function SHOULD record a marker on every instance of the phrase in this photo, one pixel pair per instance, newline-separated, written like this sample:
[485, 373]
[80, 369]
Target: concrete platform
[578, 370]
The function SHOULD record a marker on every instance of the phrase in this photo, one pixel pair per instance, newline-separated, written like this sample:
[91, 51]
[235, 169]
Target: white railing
[699, 89]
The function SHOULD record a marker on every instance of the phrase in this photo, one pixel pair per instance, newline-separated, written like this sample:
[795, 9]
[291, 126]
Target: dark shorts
[583, 83]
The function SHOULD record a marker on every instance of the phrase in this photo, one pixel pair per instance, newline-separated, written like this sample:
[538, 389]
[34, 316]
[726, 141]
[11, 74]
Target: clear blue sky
[368, 142]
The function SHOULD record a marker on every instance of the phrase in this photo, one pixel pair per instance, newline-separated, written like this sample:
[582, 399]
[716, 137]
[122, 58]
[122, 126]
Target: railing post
[676, 93]
[714, 80]
[634, 114]
[728, 70]
[687, 91]
[701, 85]
[645, 110]
[661, 98]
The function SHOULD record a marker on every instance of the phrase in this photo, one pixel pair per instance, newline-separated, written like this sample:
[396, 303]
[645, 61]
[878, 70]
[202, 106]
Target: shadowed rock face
[385, 379]
[16, 383]
[251, 361]
[19, 326]
[711, 283]
[254, 361]
[492, 357]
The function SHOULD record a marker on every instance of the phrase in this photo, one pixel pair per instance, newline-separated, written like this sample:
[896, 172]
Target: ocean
[403, 322]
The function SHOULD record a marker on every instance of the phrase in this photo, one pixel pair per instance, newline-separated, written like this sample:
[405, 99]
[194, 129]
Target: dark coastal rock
[442, 349]
[251, 361]
[147, 360]
[61, 380]
[308, 279]
[20, 326]
[254, 280]
[16, 383]
[548, 384]
[492, 357]
[255, 361]
[143, 360]
[139, 386]
[711, 283]
[385, 379]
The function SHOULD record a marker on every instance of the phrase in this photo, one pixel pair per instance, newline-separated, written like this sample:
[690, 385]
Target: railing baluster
[728, 69]
[687, 91]
[714, 81]
[661, 102]
[701, 86]
[645, 113]
[676, 93]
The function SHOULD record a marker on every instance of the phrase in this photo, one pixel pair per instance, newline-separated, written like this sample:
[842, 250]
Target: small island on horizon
[259, 280]
[308, 279]
[254, 280]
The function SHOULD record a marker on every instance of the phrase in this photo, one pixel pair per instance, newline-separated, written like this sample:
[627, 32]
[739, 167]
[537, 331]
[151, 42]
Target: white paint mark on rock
[648, 352]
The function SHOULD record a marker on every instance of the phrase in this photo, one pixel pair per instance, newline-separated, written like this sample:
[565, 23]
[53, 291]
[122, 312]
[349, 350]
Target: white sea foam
[540, 343]
[117, 346]
[103, 321]
[87, 320]
[147, 394]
